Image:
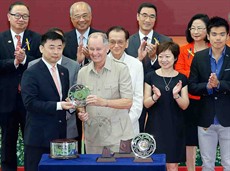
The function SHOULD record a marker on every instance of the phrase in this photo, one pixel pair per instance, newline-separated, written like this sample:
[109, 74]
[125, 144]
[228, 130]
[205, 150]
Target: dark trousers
[10, 123]
[33, 156]
[142, 119]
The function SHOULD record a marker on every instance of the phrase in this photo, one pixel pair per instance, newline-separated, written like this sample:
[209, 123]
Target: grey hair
[99, 34]
[79, 3]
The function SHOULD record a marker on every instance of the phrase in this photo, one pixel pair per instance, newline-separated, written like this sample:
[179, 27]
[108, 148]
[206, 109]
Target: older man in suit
[73, 68]
[143, 44]
[44, 90]
[210, 79]
[76, 40]
[18, 46]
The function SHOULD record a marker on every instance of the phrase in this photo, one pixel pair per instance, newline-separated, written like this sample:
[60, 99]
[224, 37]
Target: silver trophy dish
[77, 94]
[143, 145]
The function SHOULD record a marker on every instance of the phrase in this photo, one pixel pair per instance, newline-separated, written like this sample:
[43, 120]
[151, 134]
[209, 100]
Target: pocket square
[227, 69]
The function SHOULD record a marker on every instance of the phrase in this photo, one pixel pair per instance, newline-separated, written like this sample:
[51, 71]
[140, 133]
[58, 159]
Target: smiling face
[198, 30]
[18, 25]
[166, 59]
[81, 16]
[117, 43]
[97, 50]
[52, 51]
[146, 20]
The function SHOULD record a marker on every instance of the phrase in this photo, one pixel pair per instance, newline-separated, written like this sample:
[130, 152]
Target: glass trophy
[143, 146]
[77, 94]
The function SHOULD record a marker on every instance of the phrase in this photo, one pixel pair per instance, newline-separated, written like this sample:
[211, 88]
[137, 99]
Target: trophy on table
[125, 149]
[143, 146]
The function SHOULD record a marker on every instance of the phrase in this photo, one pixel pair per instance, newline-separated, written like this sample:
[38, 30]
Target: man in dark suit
[210, 79]
[76, 40]
[44, 90]
[73, 68]
[143, 44]
[14, 57]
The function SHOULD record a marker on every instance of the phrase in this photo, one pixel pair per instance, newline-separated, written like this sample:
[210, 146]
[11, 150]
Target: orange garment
[184, 62]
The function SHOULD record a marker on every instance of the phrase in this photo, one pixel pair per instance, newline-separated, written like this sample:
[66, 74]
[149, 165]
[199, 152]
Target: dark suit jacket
[40, 96]
[219, 102]
[134, 43]
[72, 43]
[10, 77]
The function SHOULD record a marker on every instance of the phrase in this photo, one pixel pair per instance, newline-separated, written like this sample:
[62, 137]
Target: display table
[87, 162]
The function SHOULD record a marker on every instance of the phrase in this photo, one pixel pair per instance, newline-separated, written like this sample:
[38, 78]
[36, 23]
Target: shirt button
[216, 98]
[60, 121]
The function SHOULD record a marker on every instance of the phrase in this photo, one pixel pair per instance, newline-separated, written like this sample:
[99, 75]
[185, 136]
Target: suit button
[60, 121]
[216, 98]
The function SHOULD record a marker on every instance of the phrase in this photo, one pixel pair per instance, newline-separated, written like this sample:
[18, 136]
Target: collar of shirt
[150, 35]
[107, 65]
[85, 35]
[121, 59]
[216, 66]
[152, 62]
[48, 65]
[15, 40]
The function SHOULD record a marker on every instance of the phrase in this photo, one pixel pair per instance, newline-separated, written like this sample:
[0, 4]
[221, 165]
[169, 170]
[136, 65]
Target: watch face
[143, 145]
[77, 94]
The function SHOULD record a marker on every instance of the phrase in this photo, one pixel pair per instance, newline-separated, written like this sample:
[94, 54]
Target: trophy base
[143, 160]
[106, 159]
[123, 155]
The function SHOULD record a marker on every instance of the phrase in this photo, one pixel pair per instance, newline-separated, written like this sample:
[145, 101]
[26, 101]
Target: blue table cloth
[87, 162]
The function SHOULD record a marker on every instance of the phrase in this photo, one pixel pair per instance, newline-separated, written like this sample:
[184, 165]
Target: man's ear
[41, 48]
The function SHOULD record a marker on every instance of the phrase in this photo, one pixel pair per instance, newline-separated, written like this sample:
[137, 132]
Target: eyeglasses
[119, 42]
[145, 16]
[78, 17]
[198, 29]
[18, 16]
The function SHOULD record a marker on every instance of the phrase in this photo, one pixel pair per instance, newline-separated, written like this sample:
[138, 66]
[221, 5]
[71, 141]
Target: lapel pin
[9, 41]
[62, 73]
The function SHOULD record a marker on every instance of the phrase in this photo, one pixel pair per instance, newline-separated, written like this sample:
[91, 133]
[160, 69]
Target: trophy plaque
[125, 150]
[106, 156]
[77, 94]
[63, 149]
[143, 146]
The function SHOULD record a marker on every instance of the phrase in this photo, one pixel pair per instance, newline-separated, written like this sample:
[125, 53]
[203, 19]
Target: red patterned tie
[81, 37]
[55, 78]
[19, 44]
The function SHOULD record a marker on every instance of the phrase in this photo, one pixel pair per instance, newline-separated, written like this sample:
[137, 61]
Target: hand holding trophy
[77, 94]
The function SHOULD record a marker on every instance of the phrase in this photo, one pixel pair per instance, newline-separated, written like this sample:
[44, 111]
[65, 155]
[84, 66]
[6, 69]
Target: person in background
[18, 46]
[44, 90]
[196, 35]
[106, 116]
[143, 44]
[76, 41]
[210, 79]
[118, 41]
[73, 68]
[166, 96]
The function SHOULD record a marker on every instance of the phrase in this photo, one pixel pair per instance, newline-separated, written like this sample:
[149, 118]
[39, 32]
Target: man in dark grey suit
[14, 57]
[73, 68]
[143, 44]
[76, 40]
[44, 90]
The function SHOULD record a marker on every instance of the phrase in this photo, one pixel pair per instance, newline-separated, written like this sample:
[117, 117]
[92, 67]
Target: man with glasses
[210, 79]
[18, 46]
[143, 44]
[118, 41]
[76, 41]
